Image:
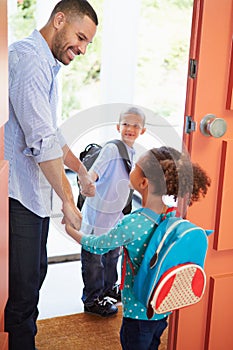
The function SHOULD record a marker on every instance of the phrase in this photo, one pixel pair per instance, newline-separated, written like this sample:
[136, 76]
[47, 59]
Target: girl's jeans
[140, 334]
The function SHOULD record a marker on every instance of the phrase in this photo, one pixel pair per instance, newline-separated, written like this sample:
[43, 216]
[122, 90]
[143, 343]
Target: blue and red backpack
[172, 275]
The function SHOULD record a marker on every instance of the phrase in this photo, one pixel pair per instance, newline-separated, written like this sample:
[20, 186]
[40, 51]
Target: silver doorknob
[212, 126]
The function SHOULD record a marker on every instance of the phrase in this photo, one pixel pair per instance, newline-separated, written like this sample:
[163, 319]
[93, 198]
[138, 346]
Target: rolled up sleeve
[49, 148]
[61, 139]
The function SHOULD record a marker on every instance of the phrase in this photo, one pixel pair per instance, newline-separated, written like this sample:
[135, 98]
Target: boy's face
[130, 127]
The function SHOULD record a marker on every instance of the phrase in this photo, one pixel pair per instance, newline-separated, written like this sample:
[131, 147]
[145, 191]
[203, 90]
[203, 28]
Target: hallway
[62, 289]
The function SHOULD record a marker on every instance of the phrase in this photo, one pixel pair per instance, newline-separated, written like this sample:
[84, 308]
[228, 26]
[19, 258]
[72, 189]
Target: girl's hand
[72, 232]
[71, 214]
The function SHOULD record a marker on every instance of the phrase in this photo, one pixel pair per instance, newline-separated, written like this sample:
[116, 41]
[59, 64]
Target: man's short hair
[73, 8]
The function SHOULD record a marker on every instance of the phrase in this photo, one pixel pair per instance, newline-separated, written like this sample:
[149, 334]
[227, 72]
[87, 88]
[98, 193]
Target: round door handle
[212, 126]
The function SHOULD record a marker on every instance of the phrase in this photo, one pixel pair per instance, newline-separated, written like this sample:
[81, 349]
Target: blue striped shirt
[31, 133]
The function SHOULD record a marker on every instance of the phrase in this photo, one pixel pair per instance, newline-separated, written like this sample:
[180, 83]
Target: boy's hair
[133, 110]
[75, 8]
[172, 173]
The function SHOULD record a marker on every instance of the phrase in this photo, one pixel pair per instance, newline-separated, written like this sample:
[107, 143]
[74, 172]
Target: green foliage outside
[163, 44]
[24, 21]
[163, 52]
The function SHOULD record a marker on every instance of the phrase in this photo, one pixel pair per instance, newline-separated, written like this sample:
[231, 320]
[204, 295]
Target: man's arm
[55, 174]
[85, 180]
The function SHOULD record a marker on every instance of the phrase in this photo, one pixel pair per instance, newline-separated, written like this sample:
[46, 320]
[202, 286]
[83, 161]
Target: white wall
[119, 50]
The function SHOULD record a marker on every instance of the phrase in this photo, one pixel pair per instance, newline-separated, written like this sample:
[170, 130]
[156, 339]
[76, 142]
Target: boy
[102, 212]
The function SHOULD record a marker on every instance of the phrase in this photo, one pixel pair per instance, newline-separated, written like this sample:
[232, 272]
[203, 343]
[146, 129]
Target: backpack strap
[123, 153]
[128, 166]
[126, 259]
[169, 231]
[154, 259]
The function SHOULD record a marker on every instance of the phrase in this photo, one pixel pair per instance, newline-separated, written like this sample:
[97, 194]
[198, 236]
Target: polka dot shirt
[134, 232]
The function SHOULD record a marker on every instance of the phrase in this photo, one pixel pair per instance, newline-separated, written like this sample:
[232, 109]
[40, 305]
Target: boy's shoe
[114, 293]
[104, 307]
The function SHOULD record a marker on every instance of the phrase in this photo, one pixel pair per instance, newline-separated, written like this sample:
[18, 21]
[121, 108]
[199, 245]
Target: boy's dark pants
[99, 274]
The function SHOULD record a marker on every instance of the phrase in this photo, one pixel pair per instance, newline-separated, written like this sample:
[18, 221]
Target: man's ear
[118, 127]
[59, 20]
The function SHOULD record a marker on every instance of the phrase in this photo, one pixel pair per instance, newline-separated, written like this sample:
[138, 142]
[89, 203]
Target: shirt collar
[150, 214]
[44, 50]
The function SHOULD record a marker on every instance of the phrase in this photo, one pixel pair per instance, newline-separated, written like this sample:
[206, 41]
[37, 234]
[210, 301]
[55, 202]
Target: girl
[158, 172]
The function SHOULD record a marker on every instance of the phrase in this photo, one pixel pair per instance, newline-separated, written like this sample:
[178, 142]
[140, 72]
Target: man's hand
[85, 181]
[72, 215]
[87, 185]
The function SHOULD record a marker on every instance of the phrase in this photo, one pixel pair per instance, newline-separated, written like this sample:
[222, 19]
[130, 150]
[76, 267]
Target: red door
[208, 325]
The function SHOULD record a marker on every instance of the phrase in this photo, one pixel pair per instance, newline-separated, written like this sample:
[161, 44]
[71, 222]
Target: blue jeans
[99, 273]
[140, 334]
[27, 270]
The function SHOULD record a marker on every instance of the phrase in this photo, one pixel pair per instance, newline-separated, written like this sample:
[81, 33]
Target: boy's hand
[87, 185]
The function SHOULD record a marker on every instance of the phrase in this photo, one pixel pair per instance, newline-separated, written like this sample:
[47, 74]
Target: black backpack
[88, 157]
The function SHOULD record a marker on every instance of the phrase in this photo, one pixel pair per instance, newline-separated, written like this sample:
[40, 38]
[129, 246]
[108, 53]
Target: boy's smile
[130, 127]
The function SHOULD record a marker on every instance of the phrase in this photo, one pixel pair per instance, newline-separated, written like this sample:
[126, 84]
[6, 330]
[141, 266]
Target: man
[37, 153]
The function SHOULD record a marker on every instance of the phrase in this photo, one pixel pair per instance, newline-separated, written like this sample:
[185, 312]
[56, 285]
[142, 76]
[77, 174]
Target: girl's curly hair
[172, 173]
